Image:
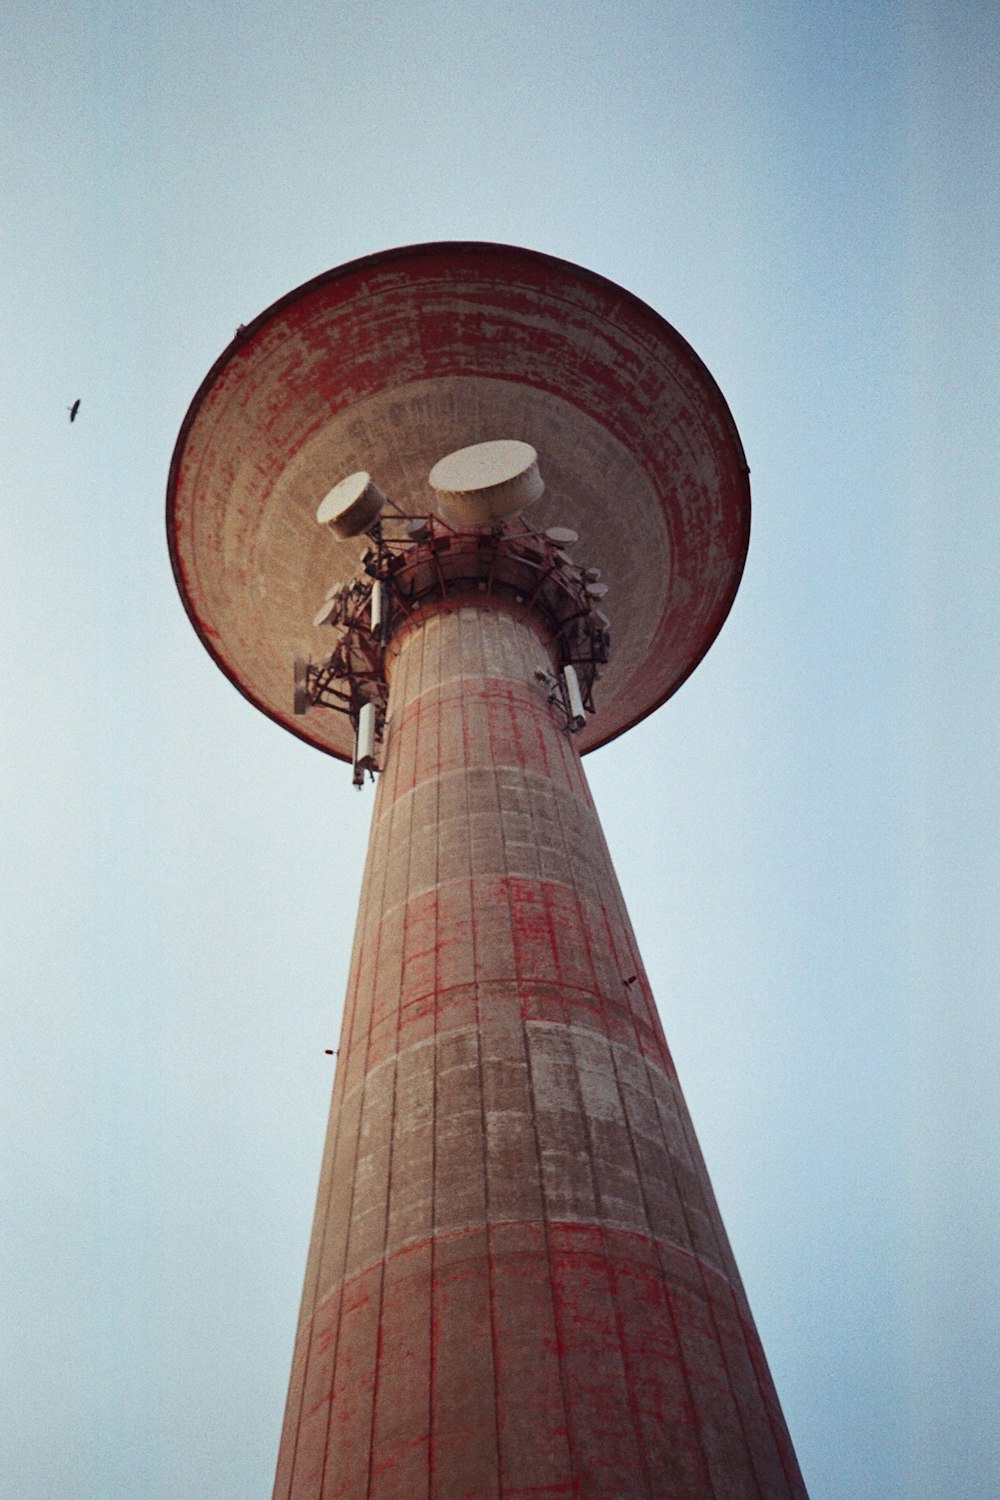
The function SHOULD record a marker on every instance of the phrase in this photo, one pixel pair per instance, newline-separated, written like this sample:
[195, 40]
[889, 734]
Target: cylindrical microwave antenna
[378, 605]
[574, 698]
[364, 744]
[486, 482]
[352, 506]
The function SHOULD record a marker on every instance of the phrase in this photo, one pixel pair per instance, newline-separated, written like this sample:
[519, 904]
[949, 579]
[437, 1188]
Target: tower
[518, 1282]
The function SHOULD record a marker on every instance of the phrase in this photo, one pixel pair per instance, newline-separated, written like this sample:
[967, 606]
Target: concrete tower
[518, 1283]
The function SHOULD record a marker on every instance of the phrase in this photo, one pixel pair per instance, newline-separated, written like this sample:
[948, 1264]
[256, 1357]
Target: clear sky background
[807, 834]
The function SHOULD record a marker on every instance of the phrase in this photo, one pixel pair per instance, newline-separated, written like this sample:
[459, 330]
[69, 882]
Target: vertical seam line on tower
[685, 1134]
[543, 1187]
[634, 1020]
[595, 1183]
[432, 1299]
[432, 1269]
[354, 1173]
[419, 731]
[697, 1260]
[347, 1026]
[377, 1382]
[485, 1148]
[712, 1217]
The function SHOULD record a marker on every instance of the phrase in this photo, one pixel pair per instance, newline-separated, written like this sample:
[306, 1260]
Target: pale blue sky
[807, 834]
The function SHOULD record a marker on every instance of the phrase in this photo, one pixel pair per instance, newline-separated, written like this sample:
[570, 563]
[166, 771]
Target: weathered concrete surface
[518, 1282]
[391, 363]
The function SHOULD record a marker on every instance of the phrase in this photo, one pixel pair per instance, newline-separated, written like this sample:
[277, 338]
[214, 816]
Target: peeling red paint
[586, 366]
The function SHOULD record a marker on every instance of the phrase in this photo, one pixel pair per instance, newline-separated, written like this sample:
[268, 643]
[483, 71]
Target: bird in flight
[74, 409]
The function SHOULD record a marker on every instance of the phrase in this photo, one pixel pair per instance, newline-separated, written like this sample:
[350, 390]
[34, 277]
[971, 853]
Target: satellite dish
[486, 482]
[352, 506]
[563, 536]
[596, 590]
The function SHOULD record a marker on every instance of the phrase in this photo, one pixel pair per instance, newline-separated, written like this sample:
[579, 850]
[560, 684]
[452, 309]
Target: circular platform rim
[415, 252]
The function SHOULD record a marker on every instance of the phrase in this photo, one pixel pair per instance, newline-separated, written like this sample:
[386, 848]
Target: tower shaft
[518, 1282]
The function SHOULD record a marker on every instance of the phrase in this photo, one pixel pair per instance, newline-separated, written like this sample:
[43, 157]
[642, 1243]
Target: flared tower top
[391, 362]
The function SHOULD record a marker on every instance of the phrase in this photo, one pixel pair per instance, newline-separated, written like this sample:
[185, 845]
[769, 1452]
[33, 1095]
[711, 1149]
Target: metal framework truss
[417, 565]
